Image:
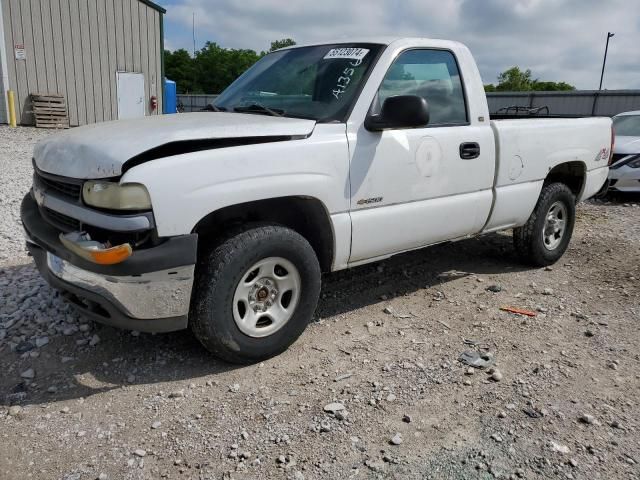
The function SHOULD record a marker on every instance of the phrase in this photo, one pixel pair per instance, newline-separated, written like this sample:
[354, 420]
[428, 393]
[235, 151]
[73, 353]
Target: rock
[15, 410]
[391, 397]
[470, 371]
[85, 327]
[375, 465]
[396, 439]
[556, 447]
[156, 425]
[235, 388]
[95, 339]
[333, 407]
[24, 346]
[42, 341]
[494, 288]
[573, 462]
[297, 475]
[388, 310]
[589, 333]
[615, 424]
[496, 376]
[406, 418]
[588, 419]
[140, 452]
[281, 459]
[547, 291]
[131, 378]
[476, 359]
[177, 394]
[496, 437]
[502, 414]
[325, 426]
[103, 476]
[28, 374]
[70, 330]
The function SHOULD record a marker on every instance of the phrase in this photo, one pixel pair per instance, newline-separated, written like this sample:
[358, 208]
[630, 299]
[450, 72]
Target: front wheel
[546, 235]
[255, 293]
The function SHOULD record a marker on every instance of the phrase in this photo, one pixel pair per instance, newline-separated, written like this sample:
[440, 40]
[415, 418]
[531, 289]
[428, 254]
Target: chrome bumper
[155, 295]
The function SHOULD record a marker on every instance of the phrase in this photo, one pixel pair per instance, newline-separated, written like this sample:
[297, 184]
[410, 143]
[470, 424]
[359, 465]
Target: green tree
[516, 80]
[285, 42]
[179, 67]
[213, 68]
[551, 86]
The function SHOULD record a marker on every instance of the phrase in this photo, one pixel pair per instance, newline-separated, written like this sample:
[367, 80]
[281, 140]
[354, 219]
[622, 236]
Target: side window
[433, 75]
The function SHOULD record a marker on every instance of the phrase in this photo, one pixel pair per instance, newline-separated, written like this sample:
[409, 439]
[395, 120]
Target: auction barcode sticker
[349, 53]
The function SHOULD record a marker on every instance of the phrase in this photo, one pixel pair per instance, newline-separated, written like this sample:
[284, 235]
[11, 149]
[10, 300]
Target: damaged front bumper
[149, 291]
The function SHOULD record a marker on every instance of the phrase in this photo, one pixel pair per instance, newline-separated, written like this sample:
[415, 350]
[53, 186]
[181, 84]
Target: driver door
[413, 187]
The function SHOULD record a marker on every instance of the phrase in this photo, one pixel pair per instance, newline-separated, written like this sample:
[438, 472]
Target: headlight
[113, 196]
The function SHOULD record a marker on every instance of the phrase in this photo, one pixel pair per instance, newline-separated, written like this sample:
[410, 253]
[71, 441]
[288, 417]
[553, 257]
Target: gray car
[624, 175]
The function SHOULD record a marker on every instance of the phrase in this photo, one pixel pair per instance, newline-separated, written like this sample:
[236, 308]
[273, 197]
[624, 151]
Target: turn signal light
[112, 255]
[95, 252]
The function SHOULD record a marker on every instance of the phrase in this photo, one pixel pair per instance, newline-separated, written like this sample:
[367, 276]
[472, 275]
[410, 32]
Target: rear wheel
[546, 235]
[255, 293]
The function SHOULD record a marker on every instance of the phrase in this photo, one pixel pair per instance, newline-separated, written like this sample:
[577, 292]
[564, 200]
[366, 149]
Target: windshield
[319, 82]
[627, 125]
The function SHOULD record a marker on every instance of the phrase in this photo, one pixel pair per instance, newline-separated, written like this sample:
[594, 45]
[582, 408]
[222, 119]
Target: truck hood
[102, 149]
[627, 145]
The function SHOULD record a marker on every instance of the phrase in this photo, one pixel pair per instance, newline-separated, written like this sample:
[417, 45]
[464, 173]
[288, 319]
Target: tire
[227, 283]
[529, 240]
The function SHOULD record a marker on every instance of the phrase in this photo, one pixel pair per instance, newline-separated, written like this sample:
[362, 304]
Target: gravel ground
[373, 389]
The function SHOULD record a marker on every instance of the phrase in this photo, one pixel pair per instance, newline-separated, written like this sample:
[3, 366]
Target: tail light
[613, 142]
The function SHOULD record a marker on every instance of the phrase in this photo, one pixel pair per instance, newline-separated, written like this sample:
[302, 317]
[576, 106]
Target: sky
[559, 40]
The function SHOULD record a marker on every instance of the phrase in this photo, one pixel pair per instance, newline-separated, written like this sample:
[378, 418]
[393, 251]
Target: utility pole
[604, 61]
[193, 32]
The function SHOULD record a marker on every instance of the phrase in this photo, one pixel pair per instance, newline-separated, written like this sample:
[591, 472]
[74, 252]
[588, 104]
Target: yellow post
[12, 108]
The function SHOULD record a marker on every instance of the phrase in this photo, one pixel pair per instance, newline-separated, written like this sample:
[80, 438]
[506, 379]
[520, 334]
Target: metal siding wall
[149, 77]
[75, 48]
[4, 5]
[159, 80]
[95, 54]
[112, 54]
[128, 43]
[104, 72]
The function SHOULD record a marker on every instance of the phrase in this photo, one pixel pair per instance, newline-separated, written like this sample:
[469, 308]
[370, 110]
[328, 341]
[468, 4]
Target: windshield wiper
[259, 108]
[212, 108]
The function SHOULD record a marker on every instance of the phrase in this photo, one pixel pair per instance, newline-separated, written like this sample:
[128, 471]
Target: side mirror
[400, 111]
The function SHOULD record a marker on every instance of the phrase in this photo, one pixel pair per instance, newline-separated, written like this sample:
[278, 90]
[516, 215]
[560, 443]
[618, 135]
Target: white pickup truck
[318, 158]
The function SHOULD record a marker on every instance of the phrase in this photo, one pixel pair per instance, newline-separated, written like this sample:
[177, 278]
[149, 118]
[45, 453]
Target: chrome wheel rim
[555, 226]
[266, 297]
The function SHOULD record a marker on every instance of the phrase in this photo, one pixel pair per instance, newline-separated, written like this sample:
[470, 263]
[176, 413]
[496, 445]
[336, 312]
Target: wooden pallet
[50, 110]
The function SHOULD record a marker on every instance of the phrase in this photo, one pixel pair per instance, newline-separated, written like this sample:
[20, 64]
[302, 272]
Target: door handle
[469, 150]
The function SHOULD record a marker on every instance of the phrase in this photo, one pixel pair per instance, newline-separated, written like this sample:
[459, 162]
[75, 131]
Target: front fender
[185, 188]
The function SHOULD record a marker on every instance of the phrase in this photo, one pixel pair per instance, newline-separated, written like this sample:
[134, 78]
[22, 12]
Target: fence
[577, 102]
[194, 103]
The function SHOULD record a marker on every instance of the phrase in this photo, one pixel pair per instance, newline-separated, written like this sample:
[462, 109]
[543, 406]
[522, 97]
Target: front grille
[70, 188]
[61, 221]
